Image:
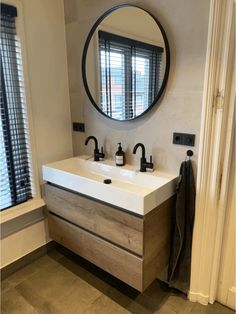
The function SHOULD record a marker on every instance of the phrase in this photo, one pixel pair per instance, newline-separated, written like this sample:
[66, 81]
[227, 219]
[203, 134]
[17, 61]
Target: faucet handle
[149, 166]
[102, 155]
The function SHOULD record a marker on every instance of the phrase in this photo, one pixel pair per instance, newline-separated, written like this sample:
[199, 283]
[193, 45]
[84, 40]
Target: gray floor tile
[33, 296]
[179, 303]
[217, 308]
[80, 296]
[51, 283]
[13, 302]
[78, 300]
[105, 305]
[65, 284]
[57, 291]
[5, 285]
[43, 263]
[165, 309]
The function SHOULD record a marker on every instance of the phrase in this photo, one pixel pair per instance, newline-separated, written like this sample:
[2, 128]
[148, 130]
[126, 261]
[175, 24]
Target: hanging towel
[180, 256]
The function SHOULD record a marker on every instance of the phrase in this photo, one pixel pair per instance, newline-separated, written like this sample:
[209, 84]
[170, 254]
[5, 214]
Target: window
[15, 162]
[130, 75]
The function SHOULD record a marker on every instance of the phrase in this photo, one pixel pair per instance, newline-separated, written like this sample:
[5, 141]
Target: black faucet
[97, 154]
[143, 162]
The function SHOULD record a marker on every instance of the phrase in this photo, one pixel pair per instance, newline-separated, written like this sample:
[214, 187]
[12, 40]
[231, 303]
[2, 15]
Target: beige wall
[47, 87]
[186, 26]
[48, 79]
[23, 241]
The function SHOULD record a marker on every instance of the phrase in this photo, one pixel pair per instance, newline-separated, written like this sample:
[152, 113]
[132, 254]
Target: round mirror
[125, 64]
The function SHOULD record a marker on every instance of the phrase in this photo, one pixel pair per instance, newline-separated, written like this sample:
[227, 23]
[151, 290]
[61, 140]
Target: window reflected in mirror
[130, 75]
[125, 63]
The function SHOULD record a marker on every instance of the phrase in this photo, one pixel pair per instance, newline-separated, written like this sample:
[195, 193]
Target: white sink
[130, 189]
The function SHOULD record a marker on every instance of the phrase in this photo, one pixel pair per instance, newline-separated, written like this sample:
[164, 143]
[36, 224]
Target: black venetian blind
[130, 75]
[15, 178]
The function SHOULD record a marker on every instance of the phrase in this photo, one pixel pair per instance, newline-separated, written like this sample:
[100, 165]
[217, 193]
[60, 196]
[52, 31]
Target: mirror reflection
[125, 63]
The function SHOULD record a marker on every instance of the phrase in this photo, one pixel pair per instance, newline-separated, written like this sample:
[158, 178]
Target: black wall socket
[184, 139]
[78, 127]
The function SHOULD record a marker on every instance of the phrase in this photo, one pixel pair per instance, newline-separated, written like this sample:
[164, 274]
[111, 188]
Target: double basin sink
[124, 187]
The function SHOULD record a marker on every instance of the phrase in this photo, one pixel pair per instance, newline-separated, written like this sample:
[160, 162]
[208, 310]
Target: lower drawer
[116, 261]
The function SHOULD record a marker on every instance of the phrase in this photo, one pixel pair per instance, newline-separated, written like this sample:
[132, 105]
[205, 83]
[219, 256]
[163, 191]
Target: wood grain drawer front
[110, 223]
[116, 261]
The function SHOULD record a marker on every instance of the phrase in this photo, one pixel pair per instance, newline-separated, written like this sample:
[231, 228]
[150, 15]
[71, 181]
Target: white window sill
[21, 209]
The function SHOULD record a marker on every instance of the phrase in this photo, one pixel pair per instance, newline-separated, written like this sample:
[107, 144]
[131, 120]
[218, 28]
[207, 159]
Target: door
[226, 292]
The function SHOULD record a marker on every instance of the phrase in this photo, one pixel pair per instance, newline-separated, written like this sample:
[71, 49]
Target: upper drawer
[110, 223]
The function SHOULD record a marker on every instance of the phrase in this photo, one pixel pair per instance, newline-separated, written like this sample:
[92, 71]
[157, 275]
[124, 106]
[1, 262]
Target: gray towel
[180, 256]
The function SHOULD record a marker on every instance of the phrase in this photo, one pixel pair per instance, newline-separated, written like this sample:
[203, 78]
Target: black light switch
[177, 138]
[189, 139]
[78, 127]
[184, 139]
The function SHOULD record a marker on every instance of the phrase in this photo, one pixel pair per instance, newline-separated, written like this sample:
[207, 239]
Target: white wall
[49, 100]
[186, 24]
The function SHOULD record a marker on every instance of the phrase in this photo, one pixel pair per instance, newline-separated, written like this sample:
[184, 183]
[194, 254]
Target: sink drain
[107, 181]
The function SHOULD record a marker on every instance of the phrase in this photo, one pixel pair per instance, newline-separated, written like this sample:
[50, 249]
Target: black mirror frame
[87, 42]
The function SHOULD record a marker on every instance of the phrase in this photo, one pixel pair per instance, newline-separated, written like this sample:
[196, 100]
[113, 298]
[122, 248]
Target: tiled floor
[61, 282]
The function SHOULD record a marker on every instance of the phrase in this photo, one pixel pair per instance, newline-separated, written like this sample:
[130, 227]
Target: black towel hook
[189, 154]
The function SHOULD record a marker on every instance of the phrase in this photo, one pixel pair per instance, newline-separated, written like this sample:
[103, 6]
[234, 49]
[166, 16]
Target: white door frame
[214, 153]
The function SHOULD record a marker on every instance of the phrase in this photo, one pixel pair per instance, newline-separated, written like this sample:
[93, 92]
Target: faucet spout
[142, 147]
[92, 138]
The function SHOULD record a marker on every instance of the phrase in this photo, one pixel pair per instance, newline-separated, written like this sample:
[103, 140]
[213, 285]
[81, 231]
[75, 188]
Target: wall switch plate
[184, 139]
[78, 127]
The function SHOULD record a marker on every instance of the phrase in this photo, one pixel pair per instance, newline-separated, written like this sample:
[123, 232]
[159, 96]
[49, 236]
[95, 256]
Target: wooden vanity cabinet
[131, 247]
